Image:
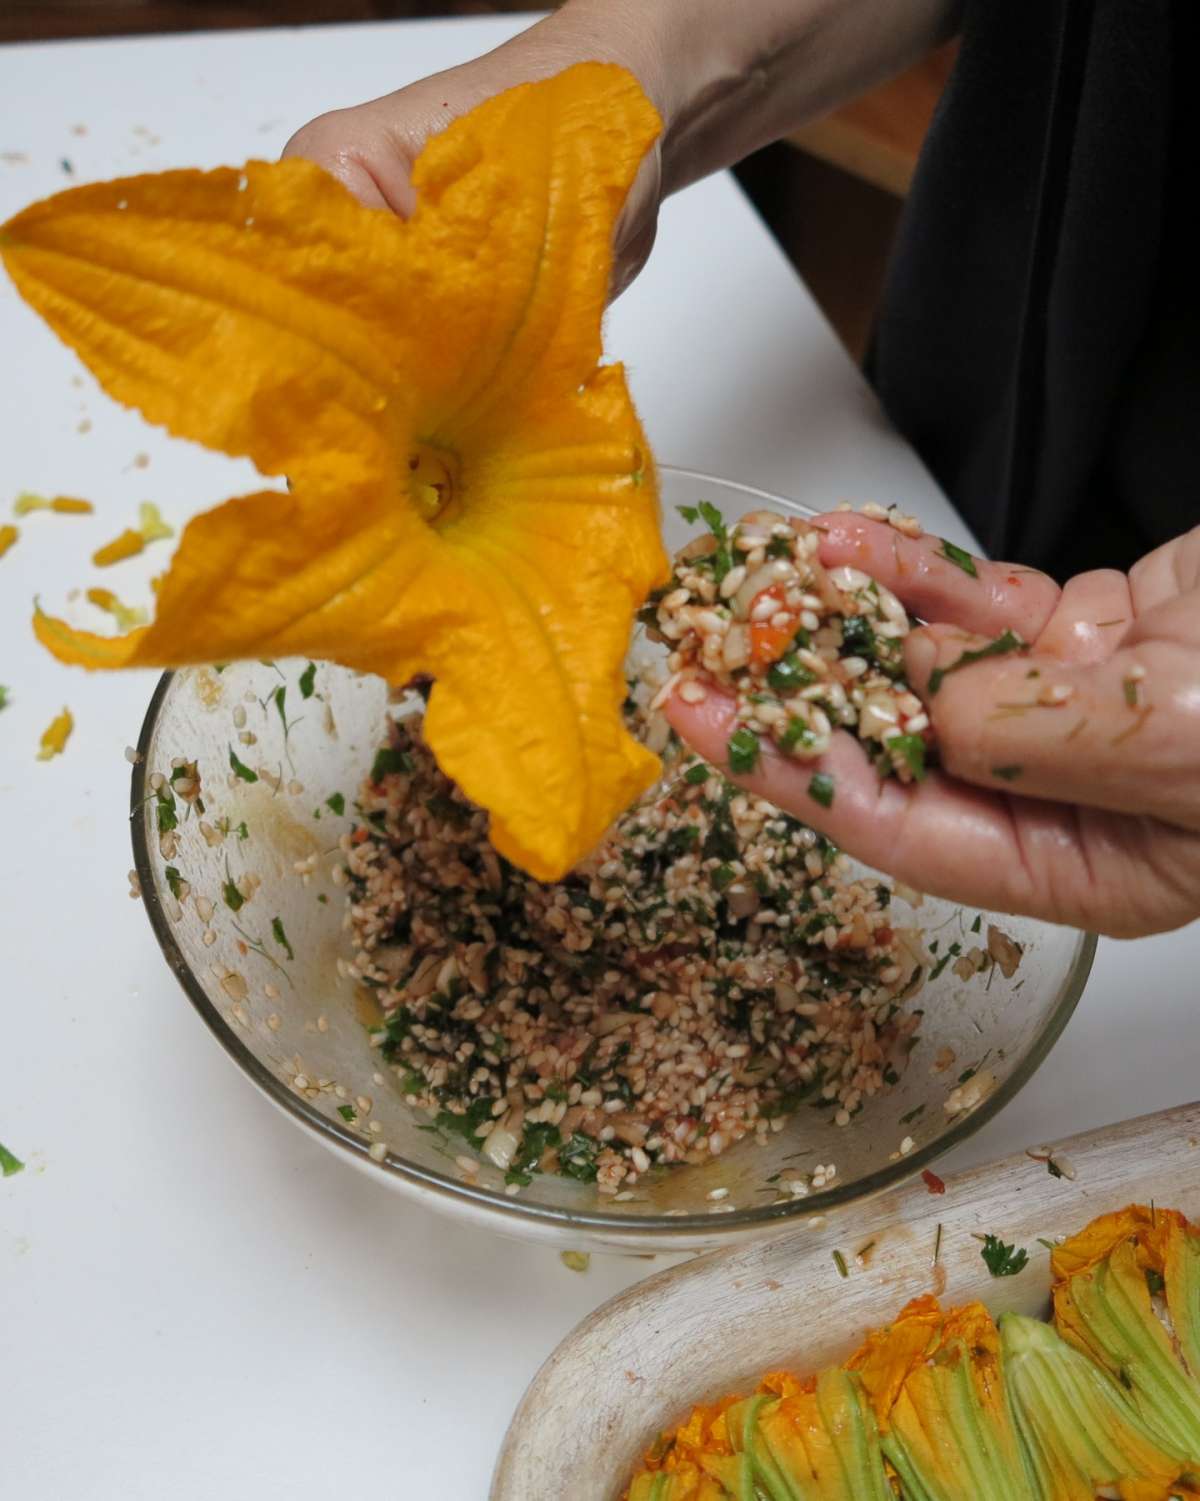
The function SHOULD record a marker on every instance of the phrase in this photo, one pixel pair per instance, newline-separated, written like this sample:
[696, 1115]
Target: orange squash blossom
[471, 494]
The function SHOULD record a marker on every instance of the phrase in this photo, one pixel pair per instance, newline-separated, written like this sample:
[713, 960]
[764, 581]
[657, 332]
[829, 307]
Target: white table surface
[196, 1300]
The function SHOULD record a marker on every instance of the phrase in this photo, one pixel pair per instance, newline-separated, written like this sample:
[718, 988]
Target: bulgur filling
[707, 970]
[804, 649]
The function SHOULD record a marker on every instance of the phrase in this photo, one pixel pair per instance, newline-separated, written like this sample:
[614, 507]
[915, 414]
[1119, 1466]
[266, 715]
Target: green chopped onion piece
[743, 751]
[821, 788]
[959, 557]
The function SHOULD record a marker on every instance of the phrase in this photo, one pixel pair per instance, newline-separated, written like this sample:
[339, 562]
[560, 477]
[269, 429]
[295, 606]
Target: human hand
[372, 147]
[1069, 779]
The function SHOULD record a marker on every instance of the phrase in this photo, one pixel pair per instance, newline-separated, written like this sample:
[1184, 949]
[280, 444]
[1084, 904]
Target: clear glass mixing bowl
[295, 1026]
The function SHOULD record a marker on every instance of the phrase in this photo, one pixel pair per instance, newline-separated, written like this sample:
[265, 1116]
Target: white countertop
[196, 1301]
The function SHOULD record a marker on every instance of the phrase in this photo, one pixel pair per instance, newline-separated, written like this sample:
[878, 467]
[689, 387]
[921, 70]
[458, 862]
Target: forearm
[729, 76]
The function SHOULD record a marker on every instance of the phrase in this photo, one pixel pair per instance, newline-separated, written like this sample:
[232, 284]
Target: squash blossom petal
[471, 494]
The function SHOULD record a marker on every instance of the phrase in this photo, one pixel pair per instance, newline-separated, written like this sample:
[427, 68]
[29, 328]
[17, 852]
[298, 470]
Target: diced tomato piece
[932, 1182]
[768, 641]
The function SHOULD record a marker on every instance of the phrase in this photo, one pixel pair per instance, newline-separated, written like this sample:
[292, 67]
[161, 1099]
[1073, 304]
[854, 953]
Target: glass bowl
[270, 982]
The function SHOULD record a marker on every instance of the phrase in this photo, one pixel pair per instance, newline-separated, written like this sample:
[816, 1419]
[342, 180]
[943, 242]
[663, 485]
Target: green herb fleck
[951, 953]
[779, 547]
[912, 1115]
[347, 1112]
[912, 749]
[1001, 646]
[234, 899]
[322, 898]
[1053, 1168]
[281, 937]
[977, 924]
[240, 768]
[308, 680]
[694, 775]
[336, 803]
[8, 1163]
[167, 817]
[839, 1261]
[959, 558]
[797, 733]
[388, 760]
[743, 751]
[937, 1244]
[821, 788]
[242, 831]
[174, 881]
[577, 1158]
[789, 675]
[1002, 1260]
[280, 700]
[3, 696]
[1049, 1244]
[858, 636]
[1008, 773]
[537, 1139]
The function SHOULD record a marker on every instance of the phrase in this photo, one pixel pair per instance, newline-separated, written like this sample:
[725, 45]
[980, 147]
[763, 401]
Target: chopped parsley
[694, 775]
[1001, 646]
[240, 768]
[577, 1158]
[743, 751]
[978, 923]
[1007, 773]
[234, 899]
[307, 680]
[279, 697]
[536, 1140]
[471, 1125]
[281, 937]
[821, 788]
[959, 557]
[3, 697]
[388, 760]
[336, 803]
[1002, 1260]
[951, 953]
[839, 1261]
[722, 559]
[789, 675]
[9, 1165]
[168, 819]
[858, 636]
[174, 881]
[912, 749]
[347, 1112]
[797, 733]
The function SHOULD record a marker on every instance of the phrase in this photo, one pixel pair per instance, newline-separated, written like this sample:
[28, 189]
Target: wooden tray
[714, 1325]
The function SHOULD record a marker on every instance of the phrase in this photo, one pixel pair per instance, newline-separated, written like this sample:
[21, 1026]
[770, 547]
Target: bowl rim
[684, 1228]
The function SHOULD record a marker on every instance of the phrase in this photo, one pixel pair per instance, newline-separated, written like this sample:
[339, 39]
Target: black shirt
[1039, 340]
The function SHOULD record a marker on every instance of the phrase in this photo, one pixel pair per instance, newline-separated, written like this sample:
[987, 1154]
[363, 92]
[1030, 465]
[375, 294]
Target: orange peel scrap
[472, 496]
